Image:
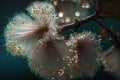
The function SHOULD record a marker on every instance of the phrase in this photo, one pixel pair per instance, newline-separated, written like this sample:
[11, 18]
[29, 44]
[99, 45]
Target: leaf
[111, 8]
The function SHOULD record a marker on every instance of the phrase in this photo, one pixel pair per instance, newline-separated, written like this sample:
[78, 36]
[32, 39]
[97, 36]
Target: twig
[115, 39]
[77, 23]
[97, 14]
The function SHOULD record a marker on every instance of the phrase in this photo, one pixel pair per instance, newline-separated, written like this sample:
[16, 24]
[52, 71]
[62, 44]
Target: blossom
[24, 32]
[87, 47]
[110, 59]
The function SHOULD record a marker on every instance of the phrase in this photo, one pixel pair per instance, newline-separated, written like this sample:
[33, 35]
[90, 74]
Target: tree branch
[115, 39]
[77, 23]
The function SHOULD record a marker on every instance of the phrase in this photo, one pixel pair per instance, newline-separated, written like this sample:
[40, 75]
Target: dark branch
[77, 23]
[114, 37]
[97, 14]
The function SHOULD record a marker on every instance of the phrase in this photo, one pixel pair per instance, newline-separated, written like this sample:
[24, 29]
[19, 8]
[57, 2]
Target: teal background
[16, 68]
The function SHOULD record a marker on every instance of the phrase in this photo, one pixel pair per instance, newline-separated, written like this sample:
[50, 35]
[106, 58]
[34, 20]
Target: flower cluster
[49, 54]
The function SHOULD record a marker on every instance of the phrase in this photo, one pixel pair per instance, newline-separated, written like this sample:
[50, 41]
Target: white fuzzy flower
[23, 33]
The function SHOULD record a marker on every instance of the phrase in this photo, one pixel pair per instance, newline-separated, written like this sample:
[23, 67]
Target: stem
[115, 39]
[77, 23]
